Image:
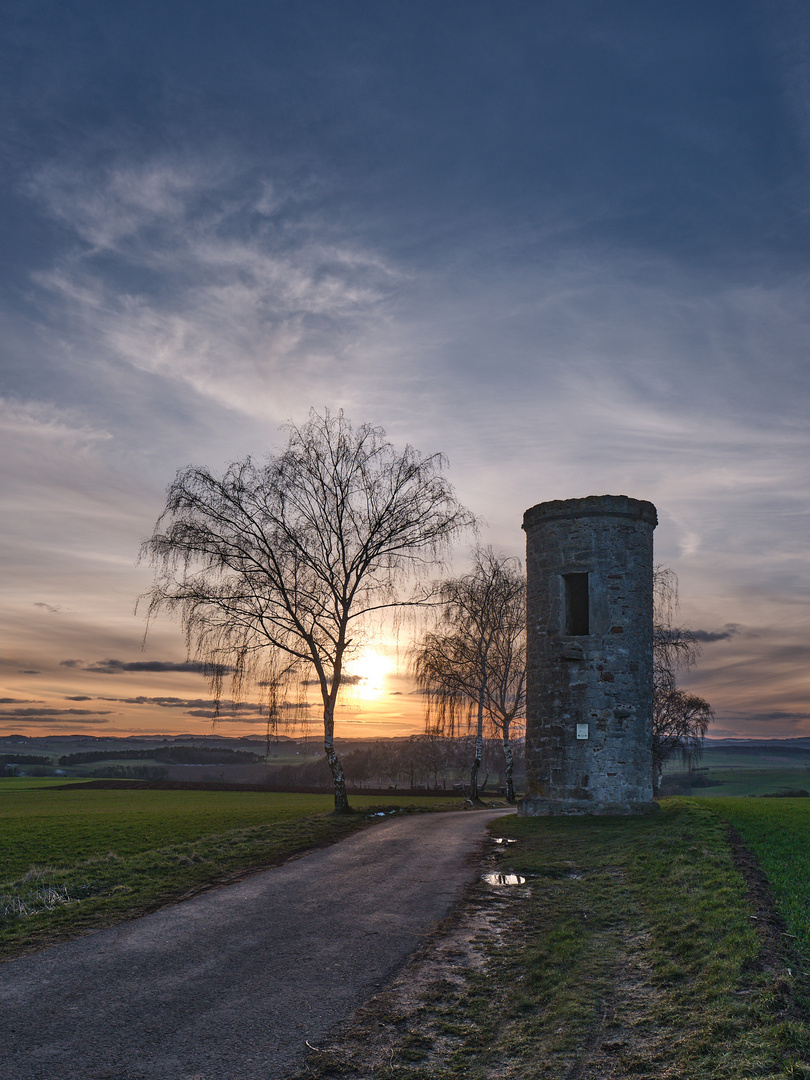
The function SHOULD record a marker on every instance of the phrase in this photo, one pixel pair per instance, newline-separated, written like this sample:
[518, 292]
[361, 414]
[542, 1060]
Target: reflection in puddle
[501, 840]
[504, 879]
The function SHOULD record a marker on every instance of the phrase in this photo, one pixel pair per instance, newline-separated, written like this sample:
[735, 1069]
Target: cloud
[194, 703]
[123, 202]
[235, 298]
[225, 718]
[52, 723]
[731, 630]
[54, 609]
[345, 680]
[779, 716]
[44, 714]
[775, 716]
[46, 422]
[16, 701]
[114, 667]
[165, 702]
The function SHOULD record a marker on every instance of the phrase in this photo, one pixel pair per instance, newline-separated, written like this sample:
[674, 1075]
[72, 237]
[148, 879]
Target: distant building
[589, 565]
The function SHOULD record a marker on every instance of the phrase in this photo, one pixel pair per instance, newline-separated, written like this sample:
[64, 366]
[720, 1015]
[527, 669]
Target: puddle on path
[504, 879]
[501, 840]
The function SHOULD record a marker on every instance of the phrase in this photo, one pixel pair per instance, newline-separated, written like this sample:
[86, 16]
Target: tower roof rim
[592, 506]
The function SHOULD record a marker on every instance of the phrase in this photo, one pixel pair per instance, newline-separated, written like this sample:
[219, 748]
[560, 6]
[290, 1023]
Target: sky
[566, 244]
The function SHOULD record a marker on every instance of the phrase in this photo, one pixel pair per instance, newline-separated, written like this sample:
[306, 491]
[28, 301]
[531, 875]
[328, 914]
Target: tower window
[577, 607]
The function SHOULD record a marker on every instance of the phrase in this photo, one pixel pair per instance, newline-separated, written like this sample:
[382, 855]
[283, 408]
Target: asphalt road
[229, 985]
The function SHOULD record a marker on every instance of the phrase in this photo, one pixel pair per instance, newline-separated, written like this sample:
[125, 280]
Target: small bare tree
[472, 667]
[680, 720]
[270, 567]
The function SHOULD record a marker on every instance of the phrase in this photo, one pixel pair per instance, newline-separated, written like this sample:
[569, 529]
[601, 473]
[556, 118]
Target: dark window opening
[577, 607]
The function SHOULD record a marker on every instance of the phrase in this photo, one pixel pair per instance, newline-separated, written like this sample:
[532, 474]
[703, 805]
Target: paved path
[229, 985]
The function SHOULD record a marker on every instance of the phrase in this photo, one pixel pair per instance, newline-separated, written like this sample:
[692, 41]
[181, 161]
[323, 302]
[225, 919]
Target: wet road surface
[229, 985]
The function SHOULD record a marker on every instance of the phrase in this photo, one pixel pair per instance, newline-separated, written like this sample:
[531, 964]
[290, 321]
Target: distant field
[752, 781]
[82, 857]
[727, 771]
[750, 759]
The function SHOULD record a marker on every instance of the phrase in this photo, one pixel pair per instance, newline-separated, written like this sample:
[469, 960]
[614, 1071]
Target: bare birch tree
[272, 568]
[472, 667]
[680, 720]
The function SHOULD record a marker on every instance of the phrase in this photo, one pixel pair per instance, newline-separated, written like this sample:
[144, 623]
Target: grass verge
[628, 951]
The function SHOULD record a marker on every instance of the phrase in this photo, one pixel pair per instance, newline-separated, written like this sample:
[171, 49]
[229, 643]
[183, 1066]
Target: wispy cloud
[54, 609]
[192, 273]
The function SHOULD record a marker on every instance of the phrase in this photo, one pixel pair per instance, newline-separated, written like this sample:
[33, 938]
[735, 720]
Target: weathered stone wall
[596, 685]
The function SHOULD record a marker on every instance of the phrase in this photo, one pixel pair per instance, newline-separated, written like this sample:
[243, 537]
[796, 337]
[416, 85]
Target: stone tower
[589, 564]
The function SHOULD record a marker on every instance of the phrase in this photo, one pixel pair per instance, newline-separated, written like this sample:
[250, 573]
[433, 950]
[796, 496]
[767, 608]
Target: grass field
[629, 951]
[777, 832]
[76, 858]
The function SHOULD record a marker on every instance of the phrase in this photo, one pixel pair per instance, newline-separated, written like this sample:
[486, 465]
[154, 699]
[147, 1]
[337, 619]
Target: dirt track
[231, 984]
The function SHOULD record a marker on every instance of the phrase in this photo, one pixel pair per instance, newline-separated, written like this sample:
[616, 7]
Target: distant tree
[272, 568]
[390, 763]
[356, 766]
[680, 720]
[472, 666]
[506, 685]
[438, 753]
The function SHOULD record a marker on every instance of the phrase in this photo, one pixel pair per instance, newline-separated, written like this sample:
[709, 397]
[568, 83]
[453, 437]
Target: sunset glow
[371, 668]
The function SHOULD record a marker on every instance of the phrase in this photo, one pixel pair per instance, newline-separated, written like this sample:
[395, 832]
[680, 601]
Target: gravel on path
[232, 984]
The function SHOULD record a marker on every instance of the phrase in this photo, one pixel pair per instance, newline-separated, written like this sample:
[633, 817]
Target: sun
[370, 668]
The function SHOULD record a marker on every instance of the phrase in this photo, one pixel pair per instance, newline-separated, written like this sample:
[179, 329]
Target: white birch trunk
[509, 761]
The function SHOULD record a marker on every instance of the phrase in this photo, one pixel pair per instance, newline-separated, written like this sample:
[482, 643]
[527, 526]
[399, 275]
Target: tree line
[176, 755]
[427, 762]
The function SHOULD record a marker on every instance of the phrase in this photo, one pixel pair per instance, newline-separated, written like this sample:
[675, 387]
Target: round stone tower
[589, 565]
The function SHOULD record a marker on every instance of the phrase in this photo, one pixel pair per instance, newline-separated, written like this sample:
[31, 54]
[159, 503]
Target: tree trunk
[476, 765]
[507, 756]
[333, 761]
[479, 734]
